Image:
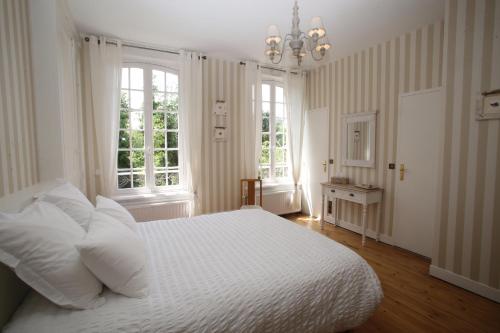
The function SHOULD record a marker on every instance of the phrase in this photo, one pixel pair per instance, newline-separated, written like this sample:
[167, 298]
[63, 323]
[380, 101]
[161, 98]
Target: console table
[355, 194]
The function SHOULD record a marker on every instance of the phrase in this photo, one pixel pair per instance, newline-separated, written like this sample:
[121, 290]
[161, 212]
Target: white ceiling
[236, 29]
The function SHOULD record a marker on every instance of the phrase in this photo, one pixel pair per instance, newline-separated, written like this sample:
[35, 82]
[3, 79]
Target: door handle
[402, 171]
[324, 166]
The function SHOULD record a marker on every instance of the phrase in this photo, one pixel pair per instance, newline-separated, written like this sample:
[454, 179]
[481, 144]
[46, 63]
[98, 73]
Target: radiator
[282, 202]
[159, 211]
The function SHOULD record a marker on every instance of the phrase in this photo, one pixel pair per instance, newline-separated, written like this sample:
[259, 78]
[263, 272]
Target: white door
[315, 159]
[420, 132]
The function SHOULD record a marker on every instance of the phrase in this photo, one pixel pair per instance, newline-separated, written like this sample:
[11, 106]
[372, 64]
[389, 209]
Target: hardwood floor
[413, 300]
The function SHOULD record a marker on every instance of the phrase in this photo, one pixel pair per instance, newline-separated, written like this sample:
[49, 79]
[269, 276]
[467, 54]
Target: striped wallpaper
[222, 80]
[369, 80]
[469, 233]
[18, 160]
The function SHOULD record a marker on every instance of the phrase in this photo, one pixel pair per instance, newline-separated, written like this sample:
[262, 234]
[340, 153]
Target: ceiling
[236, 29]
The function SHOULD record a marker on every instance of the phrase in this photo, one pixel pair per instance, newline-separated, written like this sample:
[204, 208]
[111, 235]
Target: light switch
[491, 104]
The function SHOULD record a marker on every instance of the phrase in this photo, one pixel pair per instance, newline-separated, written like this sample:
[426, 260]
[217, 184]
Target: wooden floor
[413, 300]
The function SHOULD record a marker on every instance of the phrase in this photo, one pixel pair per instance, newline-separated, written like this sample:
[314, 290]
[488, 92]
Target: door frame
[440, 147]
[325, 108]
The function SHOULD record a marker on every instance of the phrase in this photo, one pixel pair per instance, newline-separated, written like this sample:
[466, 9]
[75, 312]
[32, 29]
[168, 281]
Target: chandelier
[314, 42]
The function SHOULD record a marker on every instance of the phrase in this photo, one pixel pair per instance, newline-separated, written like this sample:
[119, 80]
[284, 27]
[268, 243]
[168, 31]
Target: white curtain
[295, 99]
[251, 120]
[101, 74]
[191, 115]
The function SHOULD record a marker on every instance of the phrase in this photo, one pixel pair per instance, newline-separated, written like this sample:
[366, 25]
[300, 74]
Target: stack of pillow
[66, 249]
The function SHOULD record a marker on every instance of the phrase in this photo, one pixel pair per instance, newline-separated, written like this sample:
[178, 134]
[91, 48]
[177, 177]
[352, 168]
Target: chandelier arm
[316, 59]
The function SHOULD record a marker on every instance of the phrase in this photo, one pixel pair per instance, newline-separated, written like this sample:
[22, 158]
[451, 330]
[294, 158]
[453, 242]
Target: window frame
[150, 187]
[274, 82]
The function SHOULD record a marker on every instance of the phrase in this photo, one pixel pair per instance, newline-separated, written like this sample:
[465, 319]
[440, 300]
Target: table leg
[379, 217]
[322, 221]
[334, 211]
[363, 231]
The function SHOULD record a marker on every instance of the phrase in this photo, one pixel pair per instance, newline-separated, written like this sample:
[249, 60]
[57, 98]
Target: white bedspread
[241, 271]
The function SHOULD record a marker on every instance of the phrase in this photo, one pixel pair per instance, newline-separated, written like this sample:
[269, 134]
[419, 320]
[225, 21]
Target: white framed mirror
[358, 139]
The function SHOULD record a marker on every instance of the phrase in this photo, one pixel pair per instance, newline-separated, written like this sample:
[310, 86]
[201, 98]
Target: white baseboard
[466, 283]
[369, 233]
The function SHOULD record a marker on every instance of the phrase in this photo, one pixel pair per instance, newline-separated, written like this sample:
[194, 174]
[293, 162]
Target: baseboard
[466, 283]
[369, 233]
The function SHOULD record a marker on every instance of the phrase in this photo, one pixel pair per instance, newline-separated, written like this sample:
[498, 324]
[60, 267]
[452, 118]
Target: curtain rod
[141, 47]
[270, 68]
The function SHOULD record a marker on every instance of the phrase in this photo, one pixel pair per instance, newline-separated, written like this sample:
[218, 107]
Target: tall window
[274, 156]
[148, 148]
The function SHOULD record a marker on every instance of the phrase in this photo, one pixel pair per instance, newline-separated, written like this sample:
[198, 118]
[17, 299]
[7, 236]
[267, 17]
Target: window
[148, 146]
[274, 156]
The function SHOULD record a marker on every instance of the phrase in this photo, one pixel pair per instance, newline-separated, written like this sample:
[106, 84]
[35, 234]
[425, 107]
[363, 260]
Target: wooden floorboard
[413, 301]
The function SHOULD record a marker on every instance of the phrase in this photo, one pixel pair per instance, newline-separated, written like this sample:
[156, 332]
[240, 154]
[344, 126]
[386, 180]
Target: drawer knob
[351, 194]
[333, 191]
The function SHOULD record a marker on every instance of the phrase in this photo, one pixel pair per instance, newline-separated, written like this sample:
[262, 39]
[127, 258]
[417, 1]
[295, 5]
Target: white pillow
[116, 255]
[69, 199]
[39, 245]
[116, 211]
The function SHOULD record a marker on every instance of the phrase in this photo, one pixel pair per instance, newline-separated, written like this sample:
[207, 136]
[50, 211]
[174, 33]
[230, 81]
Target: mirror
[358, 139]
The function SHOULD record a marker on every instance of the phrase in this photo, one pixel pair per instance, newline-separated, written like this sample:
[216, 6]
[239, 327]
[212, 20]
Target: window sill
[276, 186]
[138, 199]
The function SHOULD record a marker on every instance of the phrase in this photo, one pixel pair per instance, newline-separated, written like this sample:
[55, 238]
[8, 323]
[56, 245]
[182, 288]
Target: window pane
[280, 140]
[266, 92]
[172, 102]
[173, 158]
[158, 120]
[125, 78]
[265, 124]
[137, 120]
[266, 109]
[123, 160]
[124, 100]
[138, 159]
[172, 140]
[136, 100]
[158, 80]
[172, 122]
[172, 82]
[136, 78]
[265, 141]
[124, 119]
[139, 180]
[279, 95]
[265, 172]
[279, 155]
[159, 158]
[137, 139]
[158, 101]
[279, 172]
[124, 140]
[280, 111]
[159, 139]
[123, 181]
[173, 178]
[264, 157]
[279, 126]
[160, 179]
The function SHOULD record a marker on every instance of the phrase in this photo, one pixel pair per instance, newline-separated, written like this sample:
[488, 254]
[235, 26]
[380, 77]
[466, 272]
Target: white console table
[355, 194]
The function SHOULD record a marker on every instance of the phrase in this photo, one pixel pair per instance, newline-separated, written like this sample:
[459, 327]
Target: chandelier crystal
[315, 41]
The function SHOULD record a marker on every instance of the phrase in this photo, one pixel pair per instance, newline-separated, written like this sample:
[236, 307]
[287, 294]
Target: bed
[240, 271]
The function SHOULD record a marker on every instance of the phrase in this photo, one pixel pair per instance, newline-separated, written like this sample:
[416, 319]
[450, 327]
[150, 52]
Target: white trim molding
[466, 283]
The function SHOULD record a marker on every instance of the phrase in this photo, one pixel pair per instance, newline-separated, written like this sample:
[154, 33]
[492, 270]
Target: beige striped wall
[221, 160]
[18, 160]
[372, 79]
[469, 233]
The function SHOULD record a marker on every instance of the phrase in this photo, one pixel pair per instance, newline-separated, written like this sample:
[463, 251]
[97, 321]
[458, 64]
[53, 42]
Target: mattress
[240, 271]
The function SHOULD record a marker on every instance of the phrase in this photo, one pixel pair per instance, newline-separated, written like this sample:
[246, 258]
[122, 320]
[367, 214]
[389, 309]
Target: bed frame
[12, 289]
